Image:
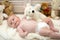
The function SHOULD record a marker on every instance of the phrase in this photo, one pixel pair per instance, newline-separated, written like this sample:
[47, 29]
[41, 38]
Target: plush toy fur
[55, 14]
[8, 7]
[5, 16]
[1, 12]
[0, 3]
[46, 9]
[55, 9]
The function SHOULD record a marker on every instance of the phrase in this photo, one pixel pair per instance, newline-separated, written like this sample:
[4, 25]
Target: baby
[26, 26]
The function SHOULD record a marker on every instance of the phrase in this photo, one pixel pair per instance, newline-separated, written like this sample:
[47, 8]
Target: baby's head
[13, 21]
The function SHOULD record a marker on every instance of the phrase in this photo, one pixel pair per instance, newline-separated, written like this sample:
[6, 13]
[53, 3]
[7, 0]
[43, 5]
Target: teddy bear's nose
[32, 11]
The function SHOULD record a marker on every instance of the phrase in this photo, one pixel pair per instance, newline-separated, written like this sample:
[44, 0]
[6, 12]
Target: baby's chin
[14, 26]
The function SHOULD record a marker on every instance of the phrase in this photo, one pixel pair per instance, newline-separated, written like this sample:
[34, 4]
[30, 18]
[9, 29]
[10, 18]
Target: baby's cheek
[13, 25]
[17, 23]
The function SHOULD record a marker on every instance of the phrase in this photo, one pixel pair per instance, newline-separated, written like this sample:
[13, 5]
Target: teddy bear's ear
[37, 7]
[2, 7]
[5, 0]
[28, 4]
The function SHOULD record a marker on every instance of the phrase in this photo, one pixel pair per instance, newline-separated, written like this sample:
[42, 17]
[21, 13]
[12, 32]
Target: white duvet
[8, 33]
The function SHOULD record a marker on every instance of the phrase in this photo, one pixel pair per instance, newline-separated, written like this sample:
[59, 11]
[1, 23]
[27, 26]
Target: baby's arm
[22, 32]
[54, 35]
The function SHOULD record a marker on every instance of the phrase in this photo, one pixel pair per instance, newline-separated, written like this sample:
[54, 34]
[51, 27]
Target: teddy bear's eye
[32, 11]
[28, 11]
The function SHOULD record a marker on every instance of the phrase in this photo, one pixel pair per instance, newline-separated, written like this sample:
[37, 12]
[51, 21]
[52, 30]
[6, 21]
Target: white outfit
[41, 25]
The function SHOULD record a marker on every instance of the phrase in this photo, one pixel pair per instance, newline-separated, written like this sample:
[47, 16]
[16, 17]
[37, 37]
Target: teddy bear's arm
[42, 16]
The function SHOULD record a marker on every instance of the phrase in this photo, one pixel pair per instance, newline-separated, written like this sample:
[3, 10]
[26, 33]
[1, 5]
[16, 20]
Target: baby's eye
[15, 23]
[13, 19]
[11, 23]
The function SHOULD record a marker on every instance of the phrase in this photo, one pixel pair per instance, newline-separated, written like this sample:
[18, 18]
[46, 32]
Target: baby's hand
[55, 30]
[21, 32]
[25, 34]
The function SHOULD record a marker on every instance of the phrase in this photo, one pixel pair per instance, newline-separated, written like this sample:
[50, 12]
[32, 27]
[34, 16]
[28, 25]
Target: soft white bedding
[8, 33]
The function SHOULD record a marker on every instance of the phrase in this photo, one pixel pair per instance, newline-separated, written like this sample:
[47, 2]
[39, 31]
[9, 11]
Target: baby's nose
[32, 11]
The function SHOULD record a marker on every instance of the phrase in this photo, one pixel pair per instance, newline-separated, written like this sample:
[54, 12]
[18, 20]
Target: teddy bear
[55, 14]
[32, 12]
[5, 16]
[46, 9]
[8, 7]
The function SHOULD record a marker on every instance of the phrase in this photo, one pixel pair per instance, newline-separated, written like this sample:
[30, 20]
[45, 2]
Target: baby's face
[13, 21]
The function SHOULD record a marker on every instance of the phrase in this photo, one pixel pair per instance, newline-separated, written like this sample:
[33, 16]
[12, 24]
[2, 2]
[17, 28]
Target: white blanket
[8, 33]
